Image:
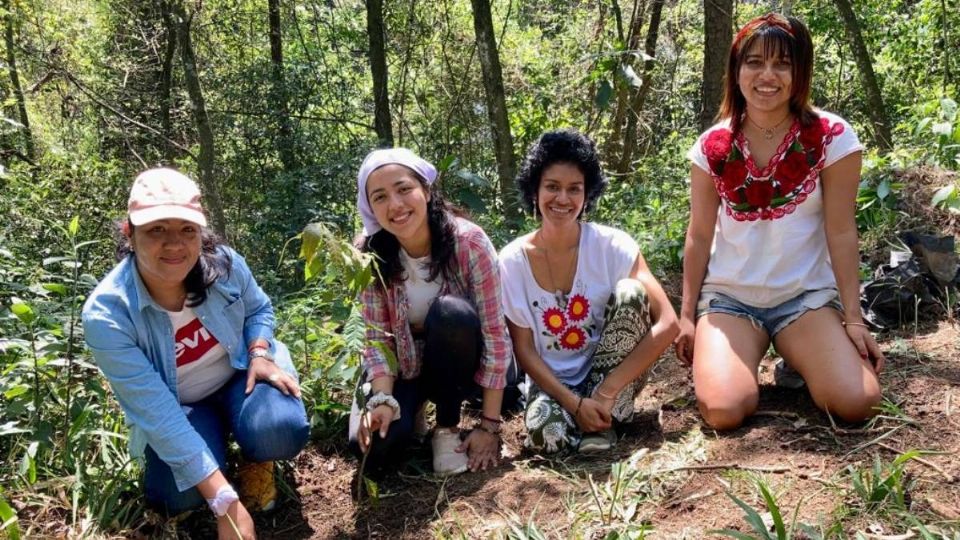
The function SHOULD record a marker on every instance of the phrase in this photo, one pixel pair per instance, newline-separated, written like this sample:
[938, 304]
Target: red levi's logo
[192, 342]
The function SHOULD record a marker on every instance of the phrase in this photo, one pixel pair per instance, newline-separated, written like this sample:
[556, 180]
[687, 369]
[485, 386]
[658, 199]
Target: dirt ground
[795, 447]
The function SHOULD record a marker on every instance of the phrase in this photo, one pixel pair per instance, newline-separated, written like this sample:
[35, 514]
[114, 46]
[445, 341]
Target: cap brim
[155, 213]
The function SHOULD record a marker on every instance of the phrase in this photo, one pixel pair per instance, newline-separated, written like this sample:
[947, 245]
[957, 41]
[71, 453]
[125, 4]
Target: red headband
[770, 19]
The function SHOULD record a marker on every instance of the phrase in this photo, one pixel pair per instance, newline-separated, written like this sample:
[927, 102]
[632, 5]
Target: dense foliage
[96, 90]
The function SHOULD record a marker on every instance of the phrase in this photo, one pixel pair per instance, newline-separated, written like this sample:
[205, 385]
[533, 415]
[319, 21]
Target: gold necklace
[768, 133]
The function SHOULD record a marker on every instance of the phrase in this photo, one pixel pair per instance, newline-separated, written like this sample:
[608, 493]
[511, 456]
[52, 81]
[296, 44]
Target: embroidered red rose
[578, 307]
[733, 177]
[792, 171]
[759, 193]
[717, 147]
[811, 137]
[573, 339]
[554, 320]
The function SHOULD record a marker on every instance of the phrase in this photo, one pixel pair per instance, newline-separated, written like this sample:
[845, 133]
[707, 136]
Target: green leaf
[58, 288]
[942, 128]
[752, 517]
[883, 189]
[732, 533]
[8, 516]
[773, 509]
[942, 194]
[23, 312]
[949, 108]
[472, 178]
[602, 100]
[473, 201]
[447, 162]
[74, 226]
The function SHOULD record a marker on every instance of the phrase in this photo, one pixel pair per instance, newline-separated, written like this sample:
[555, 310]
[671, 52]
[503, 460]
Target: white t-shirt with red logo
[202, 363]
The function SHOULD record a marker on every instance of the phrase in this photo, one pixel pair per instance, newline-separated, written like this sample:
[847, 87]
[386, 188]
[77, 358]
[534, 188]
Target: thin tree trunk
[10, 44]
[877, 112]
[947, 50]
[166, 80]
[717, 36]
[378, 67]
[496, 106]
[640, 95]
[613, 146]
[207, 157]
[286, 143]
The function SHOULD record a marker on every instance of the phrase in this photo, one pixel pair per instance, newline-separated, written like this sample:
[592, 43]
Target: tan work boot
[257, 488]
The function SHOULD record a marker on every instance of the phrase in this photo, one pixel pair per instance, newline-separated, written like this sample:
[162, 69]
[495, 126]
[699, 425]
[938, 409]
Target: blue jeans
[773, 319]
[266, 424]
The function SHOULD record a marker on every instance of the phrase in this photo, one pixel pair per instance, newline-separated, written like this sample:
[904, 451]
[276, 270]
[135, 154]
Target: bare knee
[854, 406]
[727, 415]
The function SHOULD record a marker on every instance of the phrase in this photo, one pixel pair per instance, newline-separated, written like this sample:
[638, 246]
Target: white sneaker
[597, 442]
[446, 460]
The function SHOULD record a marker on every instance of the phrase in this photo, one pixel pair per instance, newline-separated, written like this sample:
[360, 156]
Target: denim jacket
[132, 340]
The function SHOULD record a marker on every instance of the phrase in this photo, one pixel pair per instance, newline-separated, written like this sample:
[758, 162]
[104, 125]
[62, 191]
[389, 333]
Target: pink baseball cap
[164, 194]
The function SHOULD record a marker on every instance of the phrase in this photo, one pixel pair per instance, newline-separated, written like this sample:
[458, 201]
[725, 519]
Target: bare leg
[840, 382]
[726, 355]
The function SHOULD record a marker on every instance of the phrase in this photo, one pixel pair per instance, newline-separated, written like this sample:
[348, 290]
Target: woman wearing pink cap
[771, 249]
[435, 324]
[184, 334]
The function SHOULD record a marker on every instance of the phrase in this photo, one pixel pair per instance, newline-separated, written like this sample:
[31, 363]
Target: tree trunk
[613, 148]
[166, 81]
[717, 36]
[378, 67]
[640, 95]
[10, 44]
[877, 112]
[207, 157]
[286, 143]
[496, 106]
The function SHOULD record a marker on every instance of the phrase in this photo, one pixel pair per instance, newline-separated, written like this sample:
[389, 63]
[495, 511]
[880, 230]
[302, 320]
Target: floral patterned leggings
[627, 321]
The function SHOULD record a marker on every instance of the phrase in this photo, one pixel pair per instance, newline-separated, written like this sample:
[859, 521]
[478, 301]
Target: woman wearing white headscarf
[435, 326]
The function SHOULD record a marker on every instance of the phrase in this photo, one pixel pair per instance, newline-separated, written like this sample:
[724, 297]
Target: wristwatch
[381, 398]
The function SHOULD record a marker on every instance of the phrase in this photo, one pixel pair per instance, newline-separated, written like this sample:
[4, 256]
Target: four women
[184, 334]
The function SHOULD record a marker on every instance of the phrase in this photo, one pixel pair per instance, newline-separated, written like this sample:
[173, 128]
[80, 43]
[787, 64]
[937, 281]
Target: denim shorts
[772, 319]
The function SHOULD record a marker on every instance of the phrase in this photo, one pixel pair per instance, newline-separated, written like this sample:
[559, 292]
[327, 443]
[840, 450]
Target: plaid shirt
[477, 279]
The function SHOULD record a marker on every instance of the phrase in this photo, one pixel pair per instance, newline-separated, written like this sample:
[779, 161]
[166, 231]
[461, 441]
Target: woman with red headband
[771, 251]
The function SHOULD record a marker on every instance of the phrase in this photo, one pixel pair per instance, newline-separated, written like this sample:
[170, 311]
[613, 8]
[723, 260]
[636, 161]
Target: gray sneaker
[785, 376]
[597, 442]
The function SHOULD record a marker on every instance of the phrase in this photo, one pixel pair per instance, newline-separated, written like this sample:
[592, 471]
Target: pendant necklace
[768, 133]
[558, 292]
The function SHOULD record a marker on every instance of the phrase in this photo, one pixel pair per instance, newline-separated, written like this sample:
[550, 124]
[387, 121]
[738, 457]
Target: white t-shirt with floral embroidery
[566, 330]
[769, 245]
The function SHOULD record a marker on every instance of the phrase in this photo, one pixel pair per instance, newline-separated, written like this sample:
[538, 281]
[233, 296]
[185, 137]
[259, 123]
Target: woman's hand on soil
[261, 369]
[482, 448]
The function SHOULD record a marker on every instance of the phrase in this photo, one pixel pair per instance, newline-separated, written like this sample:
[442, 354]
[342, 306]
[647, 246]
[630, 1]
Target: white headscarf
[377, 159]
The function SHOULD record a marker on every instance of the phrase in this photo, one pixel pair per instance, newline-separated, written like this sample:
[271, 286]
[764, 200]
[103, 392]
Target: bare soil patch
[791, 437]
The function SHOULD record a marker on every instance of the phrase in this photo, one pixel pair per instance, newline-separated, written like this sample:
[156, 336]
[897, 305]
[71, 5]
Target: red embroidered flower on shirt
[554, 320]
[578, 307]
[775, 190]
[573, 338]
